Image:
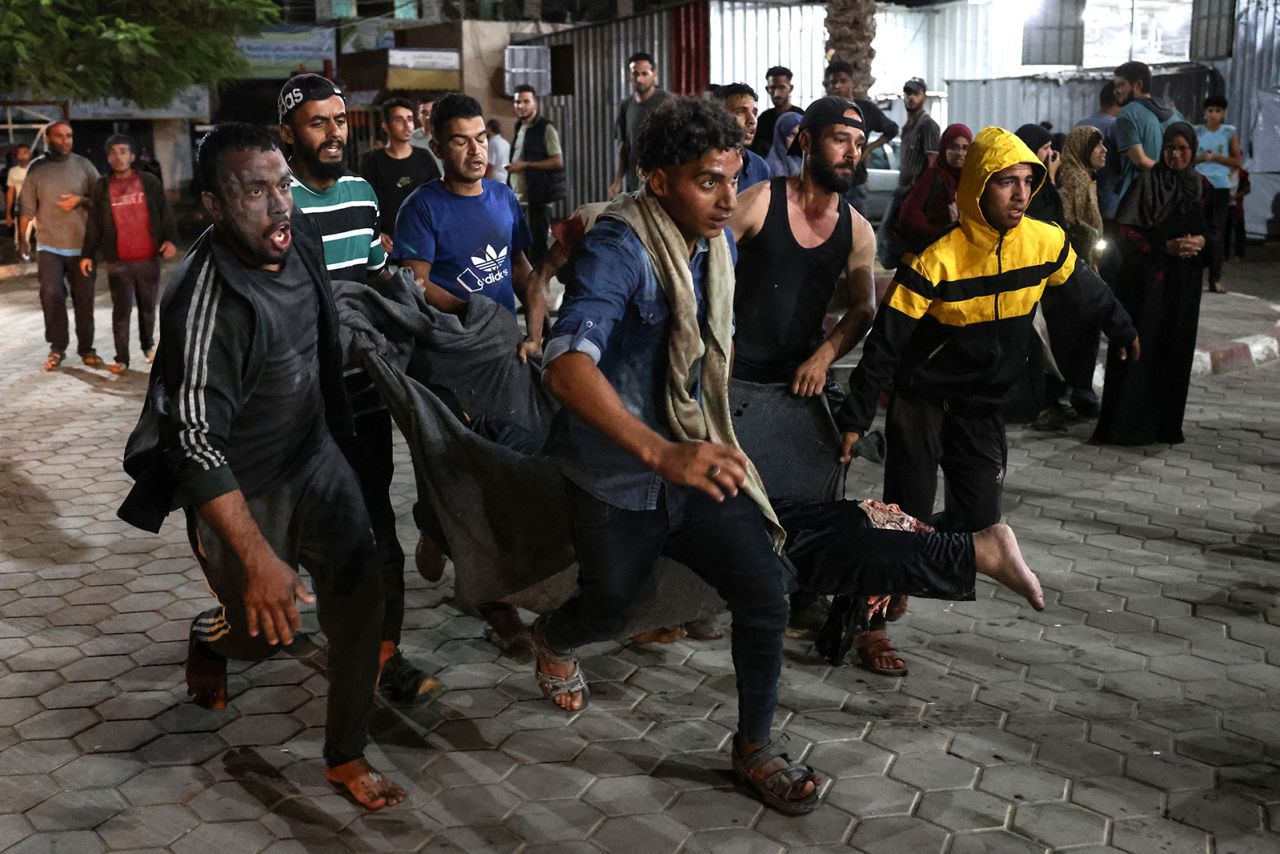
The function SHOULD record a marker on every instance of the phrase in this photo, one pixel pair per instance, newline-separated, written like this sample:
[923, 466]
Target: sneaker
[404, 683]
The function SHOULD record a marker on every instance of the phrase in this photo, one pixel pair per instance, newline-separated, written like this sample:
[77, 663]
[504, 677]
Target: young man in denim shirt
[639, 358]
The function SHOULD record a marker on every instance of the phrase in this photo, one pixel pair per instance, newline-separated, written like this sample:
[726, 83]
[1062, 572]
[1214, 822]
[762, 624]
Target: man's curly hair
[684, 129]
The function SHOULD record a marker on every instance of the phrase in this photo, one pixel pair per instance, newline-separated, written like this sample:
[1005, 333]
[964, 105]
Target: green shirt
[347, 216]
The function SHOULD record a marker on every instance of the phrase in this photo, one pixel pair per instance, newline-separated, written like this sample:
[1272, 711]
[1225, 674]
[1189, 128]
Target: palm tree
[851, 25]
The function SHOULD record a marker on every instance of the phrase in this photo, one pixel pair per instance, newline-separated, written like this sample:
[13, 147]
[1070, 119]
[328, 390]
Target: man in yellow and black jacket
[951, 337]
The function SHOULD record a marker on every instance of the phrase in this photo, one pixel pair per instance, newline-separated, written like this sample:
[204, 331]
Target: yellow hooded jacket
[956, 321]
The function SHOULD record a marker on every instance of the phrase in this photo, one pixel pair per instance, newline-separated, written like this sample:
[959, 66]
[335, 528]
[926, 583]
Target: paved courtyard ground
[1139, 713]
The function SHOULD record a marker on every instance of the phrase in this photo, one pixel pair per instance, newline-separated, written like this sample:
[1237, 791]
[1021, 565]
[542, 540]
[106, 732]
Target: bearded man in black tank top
[798, 239]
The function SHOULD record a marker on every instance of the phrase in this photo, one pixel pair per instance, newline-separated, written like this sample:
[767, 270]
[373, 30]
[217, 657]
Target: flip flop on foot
[365, 784]
[117, 367]
[877, 653]
[93, 360]
[998, 557]
[53, 361]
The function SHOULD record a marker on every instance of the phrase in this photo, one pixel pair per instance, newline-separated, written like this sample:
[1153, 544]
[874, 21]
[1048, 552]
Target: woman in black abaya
[1162, 237]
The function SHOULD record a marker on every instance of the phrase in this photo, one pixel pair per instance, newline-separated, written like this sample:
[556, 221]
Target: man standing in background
[397, 169]
[421, 138]
[778, 85]
[632, 112]
[918, 151]
[536, 171]
[56, 193]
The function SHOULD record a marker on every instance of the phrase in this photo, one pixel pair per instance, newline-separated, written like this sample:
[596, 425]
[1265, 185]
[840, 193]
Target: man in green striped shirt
[313, 124]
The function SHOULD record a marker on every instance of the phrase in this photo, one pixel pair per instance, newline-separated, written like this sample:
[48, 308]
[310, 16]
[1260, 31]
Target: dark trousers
[539, 219]
[726, 544]
[967, 442]
[1215, 240]
[836, 550]
[130, 281]
[314, 519]
[56, 273]
[370, 454]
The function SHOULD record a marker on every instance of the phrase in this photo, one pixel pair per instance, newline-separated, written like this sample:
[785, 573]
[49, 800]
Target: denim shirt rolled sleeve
[616, 312]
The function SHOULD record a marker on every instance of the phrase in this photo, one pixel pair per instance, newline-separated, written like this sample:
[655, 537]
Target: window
[527, 64]
[1053, 33]
[1213, 26]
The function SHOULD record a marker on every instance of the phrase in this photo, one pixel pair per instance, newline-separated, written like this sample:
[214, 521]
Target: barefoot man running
[236, 430]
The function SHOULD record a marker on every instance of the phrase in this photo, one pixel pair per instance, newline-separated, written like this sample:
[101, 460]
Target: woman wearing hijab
[781, 164]
[929, 208]
[1083, 155]
[1075, 350]
[1162, 237]
[1045, 205]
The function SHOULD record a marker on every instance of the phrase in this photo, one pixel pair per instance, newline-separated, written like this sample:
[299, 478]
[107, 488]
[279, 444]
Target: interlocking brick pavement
[1139, 713]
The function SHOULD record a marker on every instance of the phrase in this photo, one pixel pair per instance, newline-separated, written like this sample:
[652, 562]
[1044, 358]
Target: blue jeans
[726, 544]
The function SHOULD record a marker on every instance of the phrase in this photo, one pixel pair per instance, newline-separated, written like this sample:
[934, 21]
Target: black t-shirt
[393, 180]
[280, 423]
[767, 121]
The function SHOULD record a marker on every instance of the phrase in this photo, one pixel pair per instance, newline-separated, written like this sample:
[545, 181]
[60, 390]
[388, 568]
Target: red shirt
[132, 219]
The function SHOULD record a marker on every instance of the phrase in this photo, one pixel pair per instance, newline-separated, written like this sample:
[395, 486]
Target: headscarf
[1162, 193]
[1076, 186]
[781, 164]
[1035, 136]
[949, 175]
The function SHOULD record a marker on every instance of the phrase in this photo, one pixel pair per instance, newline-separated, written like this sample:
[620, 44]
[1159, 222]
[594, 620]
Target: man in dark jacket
[536, 170]
[132, 226]
[235, 429]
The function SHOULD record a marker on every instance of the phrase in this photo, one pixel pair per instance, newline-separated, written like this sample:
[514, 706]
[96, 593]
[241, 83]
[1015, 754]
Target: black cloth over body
[966, 440]
[1143, 402]
[783, 291]
[394, 179]
[313, 517]
[131, 281]
[504, 514]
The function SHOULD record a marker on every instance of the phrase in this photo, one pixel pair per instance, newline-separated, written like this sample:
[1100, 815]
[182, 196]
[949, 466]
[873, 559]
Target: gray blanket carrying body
[503, 513]
[805, 465]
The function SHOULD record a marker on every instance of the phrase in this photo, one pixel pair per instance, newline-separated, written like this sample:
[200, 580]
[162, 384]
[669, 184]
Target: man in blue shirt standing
[639, 358]
[1139, 130]
[743, 104]
[465, 235]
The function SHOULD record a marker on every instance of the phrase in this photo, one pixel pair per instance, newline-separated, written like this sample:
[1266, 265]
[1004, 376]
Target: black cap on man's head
[301, 88]
[915, 85]
[822, 112]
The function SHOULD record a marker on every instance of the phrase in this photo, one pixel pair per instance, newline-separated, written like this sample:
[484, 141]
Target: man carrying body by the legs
[236, 429]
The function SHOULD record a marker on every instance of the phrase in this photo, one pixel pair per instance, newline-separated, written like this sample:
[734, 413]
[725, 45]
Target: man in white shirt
[499, 153]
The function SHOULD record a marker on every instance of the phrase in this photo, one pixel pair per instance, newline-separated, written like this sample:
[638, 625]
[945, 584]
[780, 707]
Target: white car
[882, 178]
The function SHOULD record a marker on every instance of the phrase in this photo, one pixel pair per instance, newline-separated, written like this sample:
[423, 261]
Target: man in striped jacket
[238, 428]
[344, 207]
[951, 337]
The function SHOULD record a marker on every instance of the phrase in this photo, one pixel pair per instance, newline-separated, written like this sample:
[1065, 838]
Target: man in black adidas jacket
[237, 429]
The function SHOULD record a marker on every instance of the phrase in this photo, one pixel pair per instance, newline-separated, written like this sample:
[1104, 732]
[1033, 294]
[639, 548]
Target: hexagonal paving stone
[547, 781]
[82, 810]
[712, 809]
[1216, 811]
[553, 822]
[472, 806]
[934, 772]
[628, 834]
[1059, 824]
[62, 842]
[147, 826]
[635, 795]
[544, 745]
[896, 834]
[994, 842]
[98, 771]
[1023, 783]
[20, 793]
[166, 785]
[963, 809]
[865, 797]
[1144, 835]
[821, 827]
[248, 837]
[731, 842]
[1116, 797]
[1170, 773]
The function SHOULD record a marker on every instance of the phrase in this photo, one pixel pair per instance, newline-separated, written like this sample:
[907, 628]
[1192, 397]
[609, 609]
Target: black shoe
[1053, 418]
[404, 683]
[808, 616]
[1086, 405]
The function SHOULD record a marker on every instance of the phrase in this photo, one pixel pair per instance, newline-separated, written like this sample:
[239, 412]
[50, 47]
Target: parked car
[882, 177]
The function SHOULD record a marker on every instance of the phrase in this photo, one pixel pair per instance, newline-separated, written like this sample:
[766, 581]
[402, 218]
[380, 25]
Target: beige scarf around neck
[708, 421]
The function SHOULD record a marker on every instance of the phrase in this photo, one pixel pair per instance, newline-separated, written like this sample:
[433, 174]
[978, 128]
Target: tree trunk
[851, 25]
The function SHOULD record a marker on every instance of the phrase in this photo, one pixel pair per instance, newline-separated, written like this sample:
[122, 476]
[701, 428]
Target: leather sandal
[773, 790]
[555, 686]
[52, 363]
[875, 646]
[93, 360]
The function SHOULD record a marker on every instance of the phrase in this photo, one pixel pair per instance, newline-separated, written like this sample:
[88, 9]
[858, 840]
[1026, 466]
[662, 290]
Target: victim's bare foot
[998, 557]
[365, 784]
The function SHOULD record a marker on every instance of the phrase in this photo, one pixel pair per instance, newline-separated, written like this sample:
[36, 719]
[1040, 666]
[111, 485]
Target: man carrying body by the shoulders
[344, 208]
[951, 336]
[639, 358]
[236, 429]
[465, 235]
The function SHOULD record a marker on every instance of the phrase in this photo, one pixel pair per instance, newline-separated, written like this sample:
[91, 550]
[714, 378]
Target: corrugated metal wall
[1064, 98]
[1255, 63]
[744, 39]
[748, 38]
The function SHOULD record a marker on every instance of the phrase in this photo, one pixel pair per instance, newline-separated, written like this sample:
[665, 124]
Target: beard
[825, 175]
[317, 167]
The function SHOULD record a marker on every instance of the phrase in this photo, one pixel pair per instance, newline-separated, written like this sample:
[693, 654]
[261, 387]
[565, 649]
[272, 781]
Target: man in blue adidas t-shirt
[465, 235]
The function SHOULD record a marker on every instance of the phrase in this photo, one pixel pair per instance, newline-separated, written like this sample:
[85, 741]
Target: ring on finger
[715, 470]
